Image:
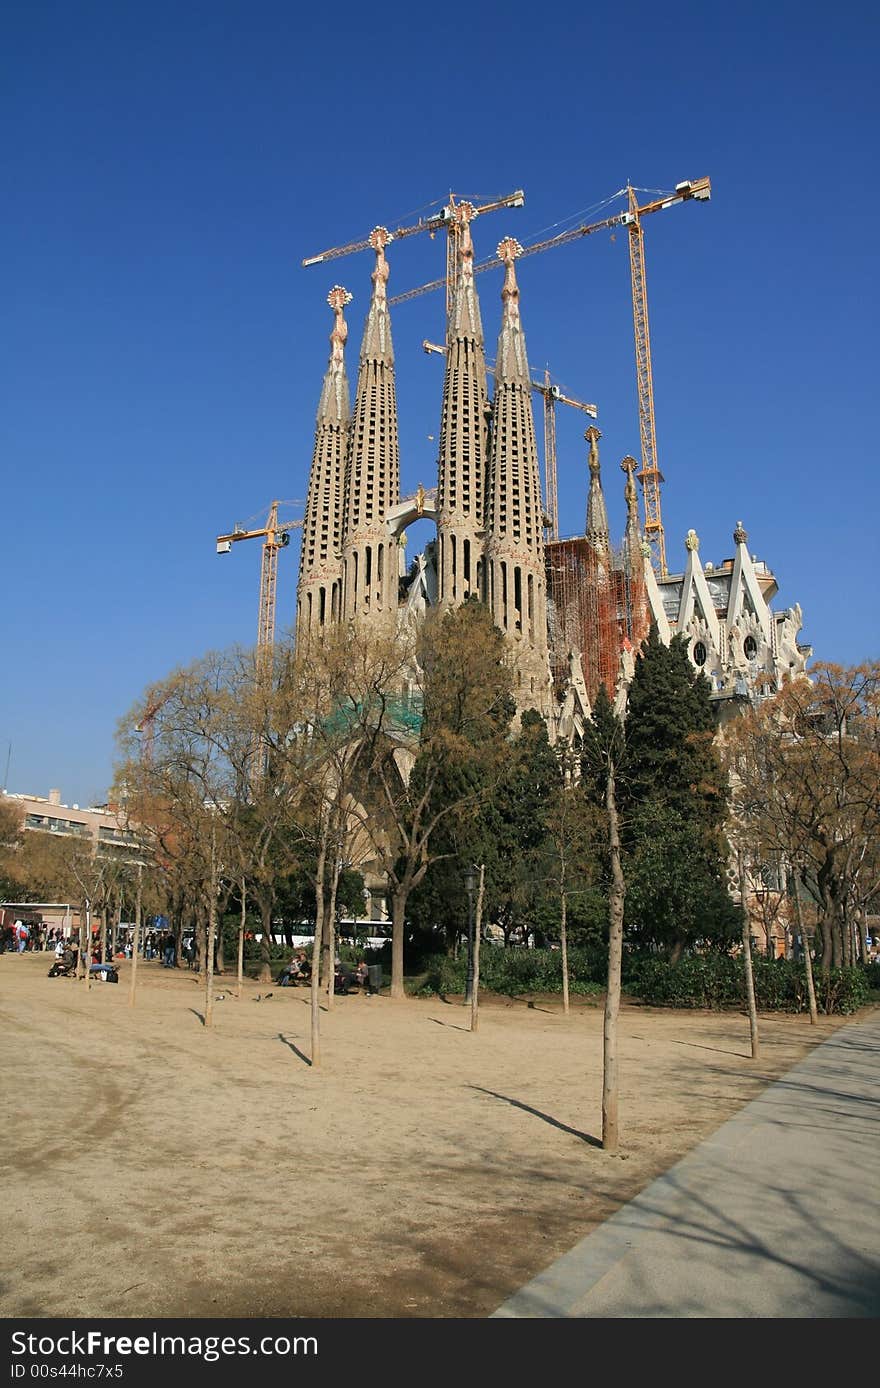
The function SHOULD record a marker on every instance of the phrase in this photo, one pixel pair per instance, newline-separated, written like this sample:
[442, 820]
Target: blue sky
[169, 165]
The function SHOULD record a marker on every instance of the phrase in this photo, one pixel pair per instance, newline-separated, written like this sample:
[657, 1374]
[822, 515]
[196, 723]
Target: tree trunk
[85, 953]
[331, 935]
[136, 942]
[478, 927]
[241, 929]
[808, 961]
[266, 940]
[747, 957]
[610, 1080]
[200, 939]
[219, 962]
[210, 937]
[316, 953]
[827, 948]
[563, 940]
[863, 936]
[399, 899]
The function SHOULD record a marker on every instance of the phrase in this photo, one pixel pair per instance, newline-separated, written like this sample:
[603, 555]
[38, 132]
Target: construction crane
[650, 476]
[447, 218]
[275, 536]
[551, 395]
[156, 697]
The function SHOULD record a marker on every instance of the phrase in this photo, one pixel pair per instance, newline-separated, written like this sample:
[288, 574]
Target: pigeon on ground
[258, 998]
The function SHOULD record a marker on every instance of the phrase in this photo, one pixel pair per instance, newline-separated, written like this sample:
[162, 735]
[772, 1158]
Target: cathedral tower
[515, 590]
[464, 435]
[597, 515]
[319, 592]
[372, 475]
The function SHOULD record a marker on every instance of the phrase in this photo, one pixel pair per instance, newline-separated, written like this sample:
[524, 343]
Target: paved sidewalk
[776, 1215]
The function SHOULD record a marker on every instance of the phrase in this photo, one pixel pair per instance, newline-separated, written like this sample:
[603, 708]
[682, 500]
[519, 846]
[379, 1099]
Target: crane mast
[275, 537]
[650, 475]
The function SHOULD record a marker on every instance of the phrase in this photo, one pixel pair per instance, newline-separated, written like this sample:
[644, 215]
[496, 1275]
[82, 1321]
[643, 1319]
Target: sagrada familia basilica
[574, 611]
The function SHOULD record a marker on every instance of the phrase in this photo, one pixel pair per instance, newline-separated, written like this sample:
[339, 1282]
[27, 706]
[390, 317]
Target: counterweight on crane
[691, 190]
[551, 395]
[275, 536]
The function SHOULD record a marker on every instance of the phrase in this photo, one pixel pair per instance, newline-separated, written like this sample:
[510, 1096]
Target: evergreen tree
[514, 830]
[673, 802]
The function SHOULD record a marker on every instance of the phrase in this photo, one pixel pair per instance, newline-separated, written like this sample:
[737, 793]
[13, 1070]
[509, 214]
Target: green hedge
[717, 981]
[714, 981]
[515, 971]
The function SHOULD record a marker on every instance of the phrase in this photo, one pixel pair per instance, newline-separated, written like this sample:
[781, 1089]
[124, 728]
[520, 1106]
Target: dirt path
[153, 1168]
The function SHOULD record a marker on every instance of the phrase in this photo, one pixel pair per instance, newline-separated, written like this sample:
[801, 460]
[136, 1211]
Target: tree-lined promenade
[257, 790]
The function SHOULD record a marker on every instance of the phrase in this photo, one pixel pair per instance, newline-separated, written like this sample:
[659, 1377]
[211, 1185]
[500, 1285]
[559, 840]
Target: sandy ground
[156, 1168]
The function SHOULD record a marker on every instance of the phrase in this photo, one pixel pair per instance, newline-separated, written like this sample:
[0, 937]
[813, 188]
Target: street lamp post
[469, 888]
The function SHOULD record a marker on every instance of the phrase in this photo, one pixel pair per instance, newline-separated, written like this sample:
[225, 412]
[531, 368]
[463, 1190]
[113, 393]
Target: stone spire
[464, 434]
[372, 476]
[319, 591]
[636, 555]
[633, 530]
[597, 515]
[515, 587]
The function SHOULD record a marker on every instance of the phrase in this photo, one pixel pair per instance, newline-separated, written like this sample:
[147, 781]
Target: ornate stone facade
[574, 612]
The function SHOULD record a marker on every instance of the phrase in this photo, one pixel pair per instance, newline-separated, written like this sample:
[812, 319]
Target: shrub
[717, 981]
[512, 972]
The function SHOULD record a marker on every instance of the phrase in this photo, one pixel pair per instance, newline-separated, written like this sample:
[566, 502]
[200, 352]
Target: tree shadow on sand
[545, 1117]
[296, 1050]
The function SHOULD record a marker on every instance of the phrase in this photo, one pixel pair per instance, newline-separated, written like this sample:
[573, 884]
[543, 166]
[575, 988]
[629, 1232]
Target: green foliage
[468, 684]
[872, 975]
[514, 832]
[717, 981]
[670, 728]
[673, 797]
[512, 972]
[676, 890]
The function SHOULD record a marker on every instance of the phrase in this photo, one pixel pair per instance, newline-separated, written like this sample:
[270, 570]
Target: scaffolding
[597, 608]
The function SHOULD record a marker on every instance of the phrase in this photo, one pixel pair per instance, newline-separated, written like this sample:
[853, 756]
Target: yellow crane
[275, 536]
[650, 476]
[551, 395]
[145, 726]
[447, 218]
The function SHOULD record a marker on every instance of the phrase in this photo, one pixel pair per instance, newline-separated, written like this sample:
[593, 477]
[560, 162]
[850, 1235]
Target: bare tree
[604, 751]
[478, 931]
[809, 762]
